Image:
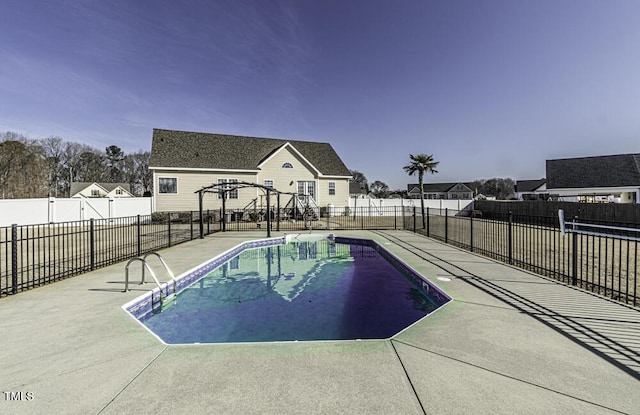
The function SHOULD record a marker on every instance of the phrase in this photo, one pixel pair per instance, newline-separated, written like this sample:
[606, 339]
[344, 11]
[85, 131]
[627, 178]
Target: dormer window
[287, 165]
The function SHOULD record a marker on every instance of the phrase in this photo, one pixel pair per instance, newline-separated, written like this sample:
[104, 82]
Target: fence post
[139, 235]
[446, 225]
[191, 223]
[428, 223]
[169, 228]
[92, 245]
[510, 236]
[362, 216]
[395, 217]
[414, 219]
[471, 232]
[574, 256]
[14, 258]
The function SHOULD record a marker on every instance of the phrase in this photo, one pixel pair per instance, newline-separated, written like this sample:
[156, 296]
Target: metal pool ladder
[145, 265]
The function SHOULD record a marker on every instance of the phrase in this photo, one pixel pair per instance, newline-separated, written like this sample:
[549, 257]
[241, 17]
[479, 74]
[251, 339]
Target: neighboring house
[532, 189]
[110, 190]
[184, 162]
[446, 191]
[484, 197]
[613, 178]
[357, 191]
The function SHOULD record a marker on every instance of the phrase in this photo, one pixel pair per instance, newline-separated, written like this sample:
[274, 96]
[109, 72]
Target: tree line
[46, 167]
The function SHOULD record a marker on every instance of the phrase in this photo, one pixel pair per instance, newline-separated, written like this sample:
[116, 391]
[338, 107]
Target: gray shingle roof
[79, 186]
[356, 189]
[601, 171]
[220, 151]
[529, 185]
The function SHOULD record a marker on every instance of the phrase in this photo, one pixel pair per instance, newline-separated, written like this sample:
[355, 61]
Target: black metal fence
[284, 220]
[606, 264]
[34, 255]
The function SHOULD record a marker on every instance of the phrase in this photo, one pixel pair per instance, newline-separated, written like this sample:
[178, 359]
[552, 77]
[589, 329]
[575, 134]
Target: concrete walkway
[511, 342]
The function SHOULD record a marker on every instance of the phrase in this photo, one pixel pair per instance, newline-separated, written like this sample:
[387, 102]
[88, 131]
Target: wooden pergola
[225, 188]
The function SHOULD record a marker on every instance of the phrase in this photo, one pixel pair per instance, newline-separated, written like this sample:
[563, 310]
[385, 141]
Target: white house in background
[444, 191]
[614, 178]
[184, 162]
[93, 189]
[532, 189]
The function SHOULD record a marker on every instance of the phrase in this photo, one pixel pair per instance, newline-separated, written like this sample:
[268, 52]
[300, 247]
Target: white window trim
[332, 188]
[273, 183]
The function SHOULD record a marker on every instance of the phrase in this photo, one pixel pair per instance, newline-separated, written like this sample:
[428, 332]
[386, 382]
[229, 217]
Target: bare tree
[53, 149]
[21, 168]
[91, 166]
[144, 174]
[360, 178]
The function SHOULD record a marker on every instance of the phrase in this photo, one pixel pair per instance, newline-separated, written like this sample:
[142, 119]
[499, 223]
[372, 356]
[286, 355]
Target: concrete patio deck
[510, 342]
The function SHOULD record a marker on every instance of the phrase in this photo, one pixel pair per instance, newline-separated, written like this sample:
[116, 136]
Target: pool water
[316, 290]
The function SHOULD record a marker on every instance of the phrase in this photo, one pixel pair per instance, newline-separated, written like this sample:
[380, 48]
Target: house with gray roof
[184, 162]
[532, 189]
[600, 178]
[94, 189]
[447, 191]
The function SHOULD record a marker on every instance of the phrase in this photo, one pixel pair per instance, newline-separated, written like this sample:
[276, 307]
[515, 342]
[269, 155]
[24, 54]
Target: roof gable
[600, 171]
[529, 185]
[77, 187]
[291, 148]
[183, 149]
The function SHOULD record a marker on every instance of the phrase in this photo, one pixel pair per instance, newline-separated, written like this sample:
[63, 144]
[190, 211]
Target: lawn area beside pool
[510, 342]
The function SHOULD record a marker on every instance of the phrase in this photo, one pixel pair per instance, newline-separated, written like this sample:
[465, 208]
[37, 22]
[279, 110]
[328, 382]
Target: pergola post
[224, 212]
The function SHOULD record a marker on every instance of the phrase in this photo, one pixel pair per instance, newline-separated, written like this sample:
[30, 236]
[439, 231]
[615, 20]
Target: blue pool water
[314, 290]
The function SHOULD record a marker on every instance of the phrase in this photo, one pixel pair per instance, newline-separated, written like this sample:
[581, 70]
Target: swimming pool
[274, 290]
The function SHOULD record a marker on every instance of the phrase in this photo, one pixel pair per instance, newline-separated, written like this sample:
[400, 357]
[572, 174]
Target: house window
[228, 184]
[119, 191]
[95, 192]
[287, 165]
[332, 188]
[167, 185]
[268, 183]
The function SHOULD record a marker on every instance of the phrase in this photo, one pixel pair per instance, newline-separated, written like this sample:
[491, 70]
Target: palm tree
[421, 163]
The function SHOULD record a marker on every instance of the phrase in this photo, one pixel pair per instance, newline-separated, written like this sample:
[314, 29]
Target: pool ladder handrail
[145, 265]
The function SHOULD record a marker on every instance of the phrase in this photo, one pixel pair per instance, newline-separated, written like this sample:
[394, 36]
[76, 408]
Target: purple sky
[490, 88]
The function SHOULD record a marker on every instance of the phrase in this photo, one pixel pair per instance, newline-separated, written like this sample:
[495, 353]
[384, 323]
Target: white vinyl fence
[54, 210]
[385, 206]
